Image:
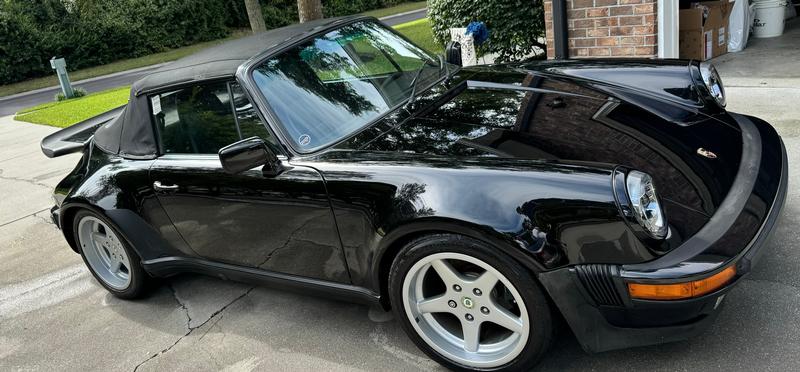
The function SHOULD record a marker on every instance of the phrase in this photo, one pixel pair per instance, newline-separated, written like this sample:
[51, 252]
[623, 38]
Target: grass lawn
[397, 9]
[420, 33]
[118, 66]
[65, 113]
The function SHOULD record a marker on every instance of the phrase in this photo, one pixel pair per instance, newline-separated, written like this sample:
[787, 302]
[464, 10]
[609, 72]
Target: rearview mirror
[248, 154]
[452, 53]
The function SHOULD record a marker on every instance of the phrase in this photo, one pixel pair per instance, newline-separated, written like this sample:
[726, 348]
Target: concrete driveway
[53, 315]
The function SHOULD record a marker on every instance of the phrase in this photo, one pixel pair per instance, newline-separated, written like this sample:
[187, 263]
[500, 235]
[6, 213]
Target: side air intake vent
[598, 281]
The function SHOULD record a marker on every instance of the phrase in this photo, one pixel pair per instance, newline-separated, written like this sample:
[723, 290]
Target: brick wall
[607, 28]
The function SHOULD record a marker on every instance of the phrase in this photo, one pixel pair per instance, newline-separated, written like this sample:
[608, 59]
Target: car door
[282, 223]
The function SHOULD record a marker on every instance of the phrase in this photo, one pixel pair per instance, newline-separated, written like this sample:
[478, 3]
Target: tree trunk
[309, 10]
[254, 14]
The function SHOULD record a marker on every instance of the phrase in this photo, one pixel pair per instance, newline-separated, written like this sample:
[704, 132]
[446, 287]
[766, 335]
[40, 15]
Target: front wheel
[468, 306]
[110, 259]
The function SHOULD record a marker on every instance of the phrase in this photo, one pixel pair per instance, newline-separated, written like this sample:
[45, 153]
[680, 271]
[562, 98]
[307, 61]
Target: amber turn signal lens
[677, 291]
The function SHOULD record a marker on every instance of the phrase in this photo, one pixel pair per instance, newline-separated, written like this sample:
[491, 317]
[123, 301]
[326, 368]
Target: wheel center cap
[467, 302]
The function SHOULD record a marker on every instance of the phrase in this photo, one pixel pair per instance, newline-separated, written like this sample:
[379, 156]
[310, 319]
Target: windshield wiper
[413, 95]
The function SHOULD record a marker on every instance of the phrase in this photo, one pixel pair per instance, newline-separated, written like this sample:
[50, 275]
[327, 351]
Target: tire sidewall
[537, 305]
[138, 276]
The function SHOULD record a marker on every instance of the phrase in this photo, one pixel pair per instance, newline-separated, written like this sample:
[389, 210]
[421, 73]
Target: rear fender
[117, 189]
[144, 239]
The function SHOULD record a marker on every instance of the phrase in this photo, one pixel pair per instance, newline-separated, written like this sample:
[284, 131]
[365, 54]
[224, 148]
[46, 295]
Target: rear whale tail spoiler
[74, 138]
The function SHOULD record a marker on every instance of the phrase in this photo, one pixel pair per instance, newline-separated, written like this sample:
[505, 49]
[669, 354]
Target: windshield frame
[245, 74]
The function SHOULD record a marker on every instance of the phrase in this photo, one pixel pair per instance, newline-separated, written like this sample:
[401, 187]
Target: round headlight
[713, 82]
[646, 207]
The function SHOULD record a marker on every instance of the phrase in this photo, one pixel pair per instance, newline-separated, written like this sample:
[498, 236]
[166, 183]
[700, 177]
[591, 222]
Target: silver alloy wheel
[492, 326]
[104, 252]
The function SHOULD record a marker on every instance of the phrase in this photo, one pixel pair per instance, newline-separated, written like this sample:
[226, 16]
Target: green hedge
[95, 32]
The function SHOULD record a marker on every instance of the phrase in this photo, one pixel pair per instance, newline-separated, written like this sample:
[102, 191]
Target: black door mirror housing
[452, 53]
[248, 154]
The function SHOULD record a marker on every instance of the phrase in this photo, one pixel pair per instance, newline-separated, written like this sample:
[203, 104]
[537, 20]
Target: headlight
[642, 194]
[713, 82]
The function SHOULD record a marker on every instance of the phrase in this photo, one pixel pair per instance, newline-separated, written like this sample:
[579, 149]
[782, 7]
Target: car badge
[467, 302]
[703, 152]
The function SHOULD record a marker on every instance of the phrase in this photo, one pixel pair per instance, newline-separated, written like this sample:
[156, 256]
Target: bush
[76, 93]
[335, 8]
[515, 26]
[93, 32]
[278, 13]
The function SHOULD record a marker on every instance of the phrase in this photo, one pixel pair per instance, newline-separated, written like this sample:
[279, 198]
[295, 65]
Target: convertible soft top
[131, 133]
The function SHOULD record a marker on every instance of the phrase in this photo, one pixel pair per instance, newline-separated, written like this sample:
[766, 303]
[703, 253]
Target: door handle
[161, 187]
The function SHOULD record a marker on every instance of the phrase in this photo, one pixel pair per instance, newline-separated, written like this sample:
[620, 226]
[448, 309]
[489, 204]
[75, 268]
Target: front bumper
[594, 299]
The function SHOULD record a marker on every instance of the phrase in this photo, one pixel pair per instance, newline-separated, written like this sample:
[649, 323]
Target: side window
[195, 120]
[204, 118]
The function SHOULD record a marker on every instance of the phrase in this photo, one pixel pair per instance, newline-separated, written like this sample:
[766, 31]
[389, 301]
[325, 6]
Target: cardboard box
[703, 30]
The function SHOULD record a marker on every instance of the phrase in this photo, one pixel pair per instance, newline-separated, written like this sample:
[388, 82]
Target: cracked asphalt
[54, 316]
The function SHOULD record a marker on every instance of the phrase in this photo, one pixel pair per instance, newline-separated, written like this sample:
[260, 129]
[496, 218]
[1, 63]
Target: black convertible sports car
[480, 204]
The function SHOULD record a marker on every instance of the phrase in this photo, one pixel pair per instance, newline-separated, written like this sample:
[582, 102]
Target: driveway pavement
[53, 315]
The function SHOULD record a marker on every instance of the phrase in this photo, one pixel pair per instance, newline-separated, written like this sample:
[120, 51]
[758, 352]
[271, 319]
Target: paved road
[11, 104]
[405, 17]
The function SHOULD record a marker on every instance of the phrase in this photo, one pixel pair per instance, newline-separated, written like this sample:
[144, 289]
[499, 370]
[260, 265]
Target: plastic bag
[739, 26]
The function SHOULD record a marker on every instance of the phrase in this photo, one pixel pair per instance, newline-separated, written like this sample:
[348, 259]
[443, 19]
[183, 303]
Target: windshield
[331, 86]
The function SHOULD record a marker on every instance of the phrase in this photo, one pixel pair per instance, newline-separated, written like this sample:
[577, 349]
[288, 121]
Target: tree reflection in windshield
[334, 84]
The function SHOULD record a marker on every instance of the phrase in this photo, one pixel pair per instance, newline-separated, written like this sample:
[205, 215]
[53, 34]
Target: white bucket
[769, 20]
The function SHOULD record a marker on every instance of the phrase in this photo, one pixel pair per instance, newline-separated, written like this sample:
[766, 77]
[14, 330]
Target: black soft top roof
[131, 134]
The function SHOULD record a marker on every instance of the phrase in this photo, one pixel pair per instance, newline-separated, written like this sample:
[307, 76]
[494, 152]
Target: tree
[309, 10]
[254, 14]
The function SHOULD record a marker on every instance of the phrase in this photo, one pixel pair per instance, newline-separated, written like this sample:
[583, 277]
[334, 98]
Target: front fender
[547, 214]
[670, 89]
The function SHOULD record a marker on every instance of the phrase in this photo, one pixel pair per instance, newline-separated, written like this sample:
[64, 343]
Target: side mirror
[452, 53]
[248, 154]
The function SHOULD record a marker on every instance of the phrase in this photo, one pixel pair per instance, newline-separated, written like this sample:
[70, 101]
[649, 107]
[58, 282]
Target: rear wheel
[110, 259]
[468, 306]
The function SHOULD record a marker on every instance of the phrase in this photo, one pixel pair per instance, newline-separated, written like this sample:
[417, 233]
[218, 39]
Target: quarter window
[200, 119]
[250, 124]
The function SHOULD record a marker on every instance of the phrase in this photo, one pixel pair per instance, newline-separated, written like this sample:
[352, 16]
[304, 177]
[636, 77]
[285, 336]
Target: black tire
[139, 279]
[539, 312]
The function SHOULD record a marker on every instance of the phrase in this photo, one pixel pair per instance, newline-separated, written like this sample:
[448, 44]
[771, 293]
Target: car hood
[530, 114]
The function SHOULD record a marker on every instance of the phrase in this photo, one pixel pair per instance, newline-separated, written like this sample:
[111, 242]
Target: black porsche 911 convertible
[480, 204]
